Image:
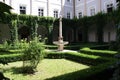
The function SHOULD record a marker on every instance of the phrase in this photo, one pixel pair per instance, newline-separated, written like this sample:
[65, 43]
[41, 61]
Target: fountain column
[60, 38]
[60, 41]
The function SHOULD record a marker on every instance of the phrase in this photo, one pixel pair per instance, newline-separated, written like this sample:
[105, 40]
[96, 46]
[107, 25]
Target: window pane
[22, 10]
[92, 11]
[79, 14]
[40, 12]
[55, 13]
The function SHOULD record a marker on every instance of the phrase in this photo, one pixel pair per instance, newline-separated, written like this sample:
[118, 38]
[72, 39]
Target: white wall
[39, 4]
[105, 2]
[80, 6]
[33, 10]
[56, 4]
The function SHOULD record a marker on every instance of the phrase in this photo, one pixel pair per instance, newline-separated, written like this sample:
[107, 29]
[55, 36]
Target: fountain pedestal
[60, 43]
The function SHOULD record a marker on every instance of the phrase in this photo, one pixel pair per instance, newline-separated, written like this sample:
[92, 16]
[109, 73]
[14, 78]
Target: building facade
[52, 8]
[92, 7]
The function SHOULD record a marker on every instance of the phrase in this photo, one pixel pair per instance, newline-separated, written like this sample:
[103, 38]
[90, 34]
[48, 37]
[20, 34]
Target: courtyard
[59, 48]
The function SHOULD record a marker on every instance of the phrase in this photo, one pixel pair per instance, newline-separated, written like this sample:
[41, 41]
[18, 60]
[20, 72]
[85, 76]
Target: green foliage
[78, 57]
[99, 63]
[116, 74]
[113, 45]
[6, 45]
[11, 57]
[32, 56]
[100, 47]
[23, 44]
[118, 4]
[104, 53]
[99, 20]
[4, 8]
[15, 32]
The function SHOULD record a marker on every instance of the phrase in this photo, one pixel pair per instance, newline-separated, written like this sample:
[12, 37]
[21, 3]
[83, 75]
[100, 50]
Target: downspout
[30, 7]
[73, 8]
[10, 2]
[100, 5]
[47, 7]
[85, 8]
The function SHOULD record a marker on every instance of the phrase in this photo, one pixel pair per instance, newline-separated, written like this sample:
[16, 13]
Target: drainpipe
[73, 8]
[30, 7]
[99, 5]
[10, 2]
[47, 7]
[85, 8]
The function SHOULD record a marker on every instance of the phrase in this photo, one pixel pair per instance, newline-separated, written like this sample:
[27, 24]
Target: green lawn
[48, 68]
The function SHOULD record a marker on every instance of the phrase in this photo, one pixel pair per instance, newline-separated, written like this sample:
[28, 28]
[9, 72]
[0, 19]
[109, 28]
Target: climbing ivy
[49, 23]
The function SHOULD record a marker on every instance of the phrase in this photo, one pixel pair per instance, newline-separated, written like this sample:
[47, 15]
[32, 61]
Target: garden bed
[93, 62]
[48, 68]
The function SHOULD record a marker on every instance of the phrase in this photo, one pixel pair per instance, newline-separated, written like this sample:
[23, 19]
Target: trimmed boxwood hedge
[100, 47]
[77, 46]
[98, 63]
[11, 51]
[105, 53]
[78, 57]
[11, 57]
[74, 56]
[86, 59]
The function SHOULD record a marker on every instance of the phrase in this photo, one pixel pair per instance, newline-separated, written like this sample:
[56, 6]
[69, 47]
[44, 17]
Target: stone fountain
[60, 43]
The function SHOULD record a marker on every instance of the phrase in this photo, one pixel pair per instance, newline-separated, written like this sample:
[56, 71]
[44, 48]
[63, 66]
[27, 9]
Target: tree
[118, 4]
[4, 8]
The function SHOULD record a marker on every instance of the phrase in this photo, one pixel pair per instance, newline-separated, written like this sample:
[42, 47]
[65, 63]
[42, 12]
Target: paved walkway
[61, 51]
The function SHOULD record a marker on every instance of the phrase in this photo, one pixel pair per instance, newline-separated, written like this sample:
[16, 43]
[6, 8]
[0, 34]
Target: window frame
[68, 15]
[69, 1]
[22, 9]
[108, 6]
[92, 11]
[55, 13]
[80, 16]
[40, 11]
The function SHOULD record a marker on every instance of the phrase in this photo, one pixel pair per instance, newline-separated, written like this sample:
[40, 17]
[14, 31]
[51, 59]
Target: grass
[48, 68]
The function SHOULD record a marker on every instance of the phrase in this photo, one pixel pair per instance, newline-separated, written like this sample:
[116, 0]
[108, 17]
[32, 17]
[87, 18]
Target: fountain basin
[60, 44]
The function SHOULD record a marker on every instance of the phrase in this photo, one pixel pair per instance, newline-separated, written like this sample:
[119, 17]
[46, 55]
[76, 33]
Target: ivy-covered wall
[19, 24]
[99, 22]
[74, 30]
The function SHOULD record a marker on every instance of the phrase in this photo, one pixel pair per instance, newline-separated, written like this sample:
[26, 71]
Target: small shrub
[6, 45]
[23, 44]
[33, 55]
